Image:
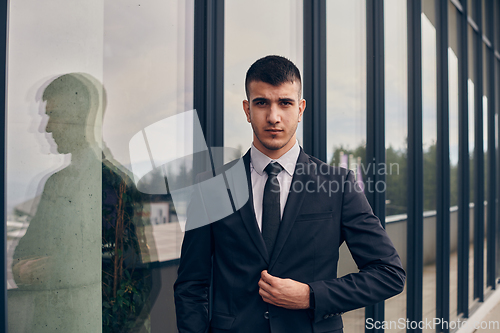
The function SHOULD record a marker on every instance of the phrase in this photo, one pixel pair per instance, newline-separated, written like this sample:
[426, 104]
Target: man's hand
[286, 293]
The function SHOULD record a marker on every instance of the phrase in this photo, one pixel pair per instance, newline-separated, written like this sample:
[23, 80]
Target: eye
[285, 103]
[260, 103]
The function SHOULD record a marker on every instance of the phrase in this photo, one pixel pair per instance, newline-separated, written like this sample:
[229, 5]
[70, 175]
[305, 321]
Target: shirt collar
[259, 160]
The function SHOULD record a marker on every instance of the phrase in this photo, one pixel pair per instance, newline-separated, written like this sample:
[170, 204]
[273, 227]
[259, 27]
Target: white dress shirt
[258, 162]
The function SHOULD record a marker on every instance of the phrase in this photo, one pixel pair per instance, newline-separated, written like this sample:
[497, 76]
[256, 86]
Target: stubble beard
[269, 145]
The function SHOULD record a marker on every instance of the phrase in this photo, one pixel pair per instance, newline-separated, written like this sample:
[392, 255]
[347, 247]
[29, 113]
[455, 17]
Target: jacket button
[326, 316]
[266, 314]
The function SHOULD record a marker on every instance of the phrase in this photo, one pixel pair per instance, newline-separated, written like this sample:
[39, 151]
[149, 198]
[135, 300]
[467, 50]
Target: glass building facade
[106, 100]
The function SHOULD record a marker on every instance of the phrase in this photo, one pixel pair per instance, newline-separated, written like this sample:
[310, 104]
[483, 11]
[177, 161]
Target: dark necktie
[271, 214]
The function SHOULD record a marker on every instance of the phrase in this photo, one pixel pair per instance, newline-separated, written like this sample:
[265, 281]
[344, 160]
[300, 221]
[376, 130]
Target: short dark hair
[273, 69]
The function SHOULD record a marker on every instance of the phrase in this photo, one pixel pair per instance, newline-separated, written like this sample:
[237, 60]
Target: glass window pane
[429, 105]
[346, 105]
[471, 9]
[454, 16]
[85, 80]
[471, 107]
[484, 18]
[54, 166]
[396, 105]
[276, 30]
[148, 76]
[485, 149]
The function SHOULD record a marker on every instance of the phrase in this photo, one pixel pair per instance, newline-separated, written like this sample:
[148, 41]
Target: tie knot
[273, 168]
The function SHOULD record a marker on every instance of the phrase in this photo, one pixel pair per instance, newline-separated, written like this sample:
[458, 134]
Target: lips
[274, 130]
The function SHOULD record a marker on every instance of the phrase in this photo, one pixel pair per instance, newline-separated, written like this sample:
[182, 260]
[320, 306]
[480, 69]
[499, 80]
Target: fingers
[266, 293]
[263, 285]
[268, 278]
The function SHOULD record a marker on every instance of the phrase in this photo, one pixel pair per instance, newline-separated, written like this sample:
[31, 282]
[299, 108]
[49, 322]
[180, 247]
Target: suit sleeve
[191, 289]
[381, 273]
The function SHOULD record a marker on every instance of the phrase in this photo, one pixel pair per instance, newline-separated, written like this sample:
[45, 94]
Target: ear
[302, 107]
[246, 108]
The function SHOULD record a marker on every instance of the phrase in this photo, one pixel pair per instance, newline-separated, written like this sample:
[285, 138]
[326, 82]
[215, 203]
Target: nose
[273, 116]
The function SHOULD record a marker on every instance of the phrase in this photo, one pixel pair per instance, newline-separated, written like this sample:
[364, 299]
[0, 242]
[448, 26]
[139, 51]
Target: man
[272, 265]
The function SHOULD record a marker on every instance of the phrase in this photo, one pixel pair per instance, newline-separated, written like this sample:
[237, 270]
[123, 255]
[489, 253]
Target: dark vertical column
[208, 81]
[443, 168]
[208, 92]
[415, 227]
[3, 142]
[375, 122]
[492, 200]
[496, 92]
[314, 80]
[463, 168]
[478, 158]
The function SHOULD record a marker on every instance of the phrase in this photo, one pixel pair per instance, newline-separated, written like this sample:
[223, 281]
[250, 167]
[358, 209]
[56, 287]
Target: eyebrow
[286, 99]
[259, 99]
[283, 99]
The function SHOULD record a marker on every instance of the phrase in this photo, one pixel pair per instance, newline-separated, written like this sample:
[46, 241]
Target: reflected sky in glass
[396, 69]
[429, 83]
[142, 53]
[453, 105]
[346, 75]
[45, 41]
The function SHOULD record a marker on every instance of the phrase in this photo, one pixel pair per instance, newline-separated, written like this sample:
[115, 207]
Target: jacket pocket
[314, 216]
[221, 321]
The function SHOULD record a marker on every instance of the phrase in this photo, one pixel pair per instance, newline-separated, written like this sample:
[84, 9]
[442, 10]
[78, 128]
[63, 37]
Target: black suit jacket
[324, 208]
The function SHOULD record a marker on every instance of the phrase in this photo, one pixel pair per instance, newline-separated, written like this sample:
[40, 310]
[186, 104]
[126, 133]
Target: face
[274, 113]
[66, 123]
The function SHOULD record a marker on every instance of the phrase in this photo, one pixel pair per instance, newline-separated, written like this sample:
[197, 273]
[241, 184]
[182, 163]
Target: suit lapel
[293, 205]
[248, 214]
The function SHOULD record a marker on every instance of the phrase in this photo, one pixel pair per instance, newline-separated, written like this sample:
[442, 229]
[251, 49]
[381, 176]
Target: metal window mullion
[3, 152]
[314, 78]
[208, 80]
[491, 224]
[496, 67]
[497, 237]
[415, 165]
[478, 160]
[463, 170]
[443, 169]
[375, 122]
[496, 90]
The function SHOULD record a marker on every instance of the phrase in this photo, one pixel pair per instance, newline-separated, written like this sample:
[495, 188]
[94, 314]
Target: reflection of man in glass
[57, 264]
[272, 265]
